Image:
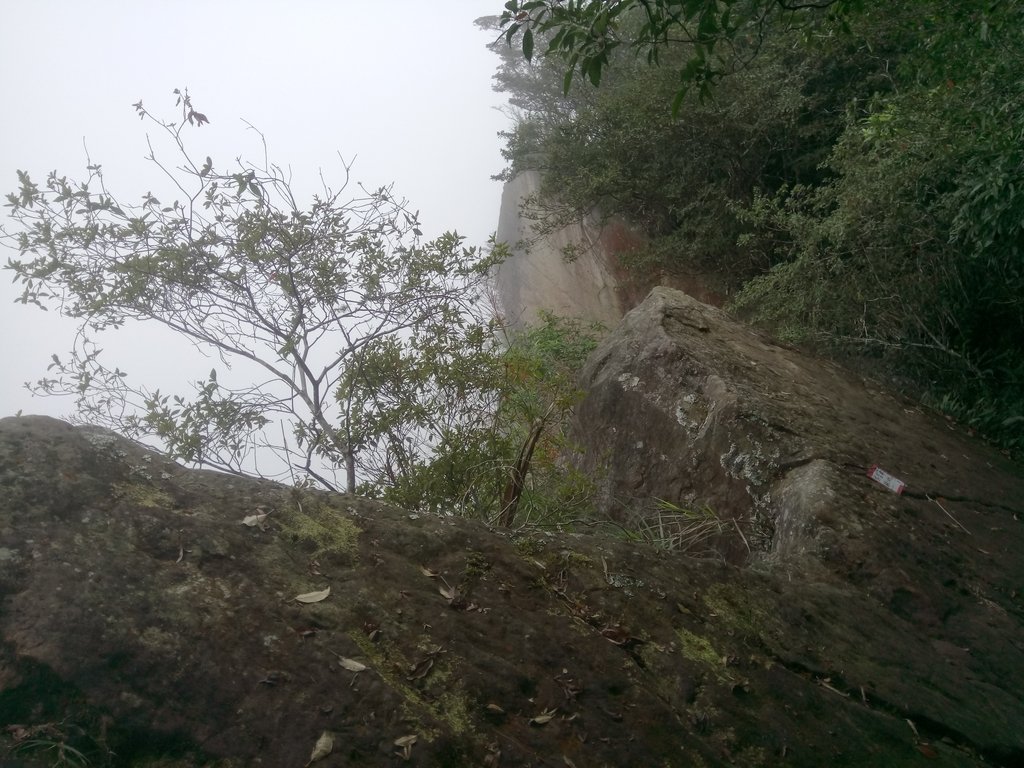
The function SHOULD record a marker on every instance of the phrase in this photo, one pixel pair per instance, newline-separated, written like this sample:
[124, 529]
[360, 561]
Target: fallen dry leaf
[927, 750]
[352, 665]
[273, 677]
[447, 592]
[430, 573]
[323, 747]
[544, 717]
[420, 669]
[314, 597]
[254, 520]
[620, 636]
[405, 744]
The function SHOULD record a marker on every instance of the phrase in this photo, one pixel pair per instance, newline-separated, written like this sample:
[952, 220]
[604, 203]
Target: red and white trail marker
[882, 477]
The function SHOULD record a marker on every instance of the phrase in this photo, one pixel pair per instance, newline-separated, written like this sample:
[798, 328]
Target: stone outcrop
[688, 412]
[688, 406]
[158, 616]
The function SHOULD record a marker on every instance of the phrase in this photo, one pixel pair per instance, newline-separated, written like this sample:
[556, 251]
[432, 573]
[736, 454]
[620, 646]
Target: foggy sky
[403, 87]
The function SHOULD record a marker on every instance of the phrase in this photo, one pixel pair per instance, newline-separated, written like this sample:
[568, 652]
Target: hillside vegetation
[852, 175]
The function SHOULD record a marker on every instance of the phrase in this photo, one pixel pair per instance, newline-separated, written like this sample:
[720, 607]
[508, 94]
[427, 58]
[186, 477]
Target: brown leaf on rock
[616, 634]
[570, 687]
[927, 750]
[273, 677]
[619, 635]
[372, 630]
[420, 669]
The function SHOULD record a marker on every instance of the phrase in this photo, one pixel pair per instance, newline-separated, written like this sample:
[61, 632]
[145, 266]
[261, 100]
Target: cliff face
[592, 284]
[538, 276]
[158, 616]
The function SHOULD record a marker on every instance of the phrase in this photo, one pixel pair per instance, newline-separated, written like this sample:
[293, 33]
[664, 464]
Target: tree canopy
[719, 35]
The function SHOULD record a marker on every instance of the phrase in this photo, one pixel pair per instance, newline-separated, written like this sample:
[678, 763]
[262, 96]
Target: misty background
[403, 88]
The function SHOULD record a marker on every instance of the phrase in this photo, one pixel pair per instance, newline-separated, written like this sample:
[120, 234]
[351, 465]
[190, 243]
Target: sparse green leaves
[243, 269]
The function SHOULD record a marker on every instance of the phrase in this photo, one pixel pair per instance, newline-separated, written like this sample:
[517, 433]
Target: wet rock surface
[144, 623]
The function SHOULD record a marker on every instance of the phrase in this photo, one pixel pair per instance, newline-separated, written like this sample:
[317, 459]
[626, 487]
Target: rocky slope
[158, 616]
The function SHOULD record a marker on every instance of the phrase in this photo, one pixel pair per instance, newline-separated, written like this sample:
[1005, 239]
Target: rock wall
[537, 277]
[593, 286]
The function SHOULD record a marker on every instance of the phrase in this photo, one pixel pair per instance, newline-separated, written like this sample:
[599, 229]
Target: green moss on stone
[327, 530]
[452, 707]
[143, 494]
[737, 610]
[697, 648]
[529, 546]
[576, 559]
[476, 566]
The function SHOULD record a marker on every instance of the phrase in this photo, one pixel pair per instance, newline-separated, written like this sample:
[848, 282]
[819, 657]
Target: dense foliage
[853, 176]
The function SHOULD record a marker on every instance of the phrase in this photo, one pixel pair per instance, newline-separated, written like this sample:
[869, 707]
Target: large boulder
[685, 405]
[691, 418]
[158, 616]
